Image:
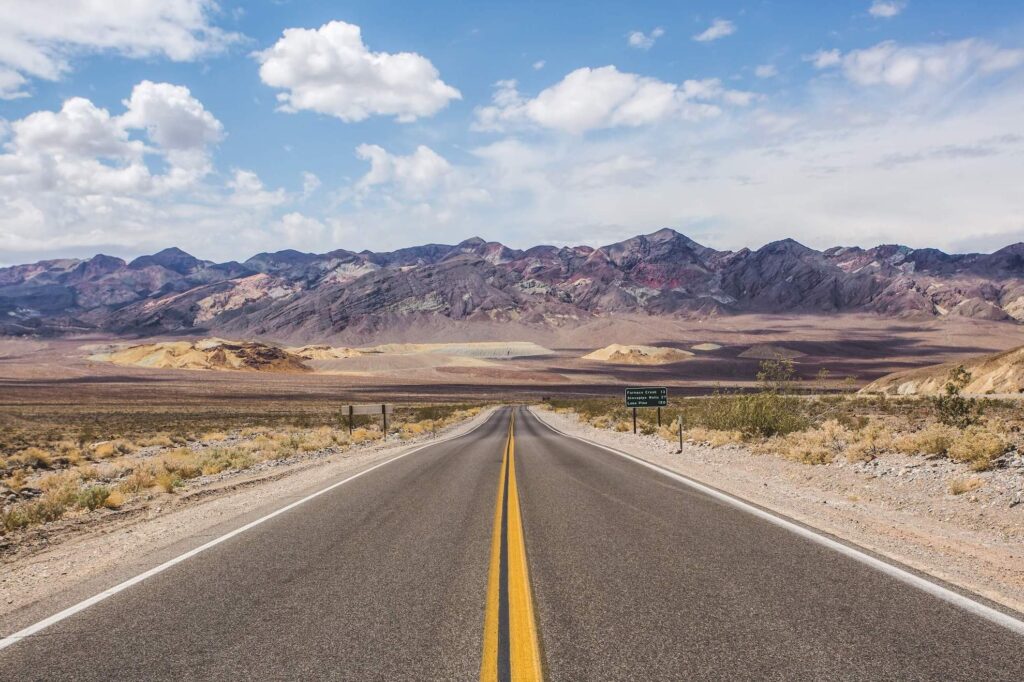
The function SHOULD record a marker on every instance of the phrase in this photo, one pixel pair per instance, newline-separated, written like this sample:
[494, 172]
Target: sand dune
[483, 349]
[209, 354]
[218, 354]
[618, 354]
[705, 346]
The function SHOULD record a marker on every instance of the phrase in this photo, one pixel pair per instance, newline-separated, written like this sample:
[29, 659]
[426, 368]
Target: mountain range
[294, 295]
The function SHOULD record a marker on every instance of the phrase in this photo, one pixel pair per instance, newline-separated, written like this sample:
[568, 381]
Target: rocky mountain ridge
[290, 294]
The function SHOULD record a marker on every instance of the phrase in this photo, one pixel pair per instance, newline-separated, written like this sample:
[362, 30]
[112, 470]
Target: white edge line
[109, 592]
[977, 608]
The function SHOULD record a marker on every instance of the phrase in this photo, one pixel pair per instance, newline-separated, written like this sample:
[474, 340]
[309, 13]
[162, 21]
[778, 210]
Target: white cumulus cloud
[886, 9]
[766, 71]
[719, 28]
[588, 99]
[415, 174]
[644, 41]
[38, 38]
[330, 71]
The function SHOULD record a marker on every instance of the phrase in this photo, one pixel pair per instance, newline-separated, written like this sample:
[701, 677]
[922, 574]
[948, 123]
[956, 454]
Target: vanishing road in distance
[516, 552]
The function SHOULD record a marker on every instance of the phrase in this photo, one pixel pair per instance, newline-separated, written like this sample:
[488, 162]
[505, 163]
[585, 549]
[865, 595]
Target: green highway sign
[646, 396]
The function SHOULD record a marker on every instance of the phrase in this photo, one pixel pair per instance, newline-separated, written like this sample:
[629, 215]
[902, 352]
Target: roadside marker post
[383, 409]
[646, 396]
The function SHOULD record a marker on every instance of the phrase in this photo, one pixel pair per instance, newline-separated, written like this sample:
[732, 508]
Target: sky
[230, 128]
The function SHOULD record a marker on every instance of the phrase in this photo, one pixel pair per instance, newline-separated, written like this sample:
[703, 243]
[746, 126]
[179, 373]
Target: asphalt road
[634, 576]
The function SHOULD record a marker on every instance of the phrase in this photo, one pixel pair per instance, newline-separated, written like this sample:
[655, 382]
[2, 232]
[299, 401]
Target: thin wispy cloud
[719, 28]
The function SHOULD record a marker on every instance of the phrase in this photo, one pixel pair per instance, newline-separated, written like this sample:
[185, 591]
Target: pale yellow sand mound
[482, 349]
[706, 346]
[215, 354]
[322, 352]
[493, 350]
[764, 351]
[619, 354]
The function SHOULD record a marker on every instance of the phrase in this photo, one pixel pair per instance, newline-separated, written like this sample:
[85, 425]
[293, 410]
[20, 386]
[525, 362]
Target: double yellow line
[511, 645]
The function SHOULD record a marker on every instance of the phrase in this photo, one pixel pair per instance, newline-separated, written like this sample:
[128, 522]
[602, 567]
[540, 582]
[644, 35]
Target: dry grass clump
[933, 439]
[814, 446]
[35, 458]
[136, 482]
[115, 500]
[113, 448]
[869, 443]
[959, 486]
[361, 435]
[979, 445]
[159, 440]
[714, 437]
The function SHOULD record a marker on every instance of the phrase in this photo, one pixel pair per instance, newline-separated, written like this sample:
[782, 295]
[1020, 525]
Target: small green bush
[93, 497]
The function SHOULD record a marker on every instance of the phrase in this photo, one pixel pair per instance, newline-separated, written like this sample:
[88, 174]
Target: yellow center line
[515, 653]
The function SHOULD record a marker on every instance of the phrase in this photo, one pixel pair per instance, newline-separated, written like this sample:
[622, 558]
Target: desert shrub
[16, 481]
[33, 457]
[182, 464]
[952, 408]
[61, 488]
[763, 414]
[978, 445]
[136, 482]
[934, 439]
[215, 460]
[869, 443]
[777, 376]
[14, 517]
[814, 446]
[166, 481]
[93, 497]
[46, 509]
[959, 486]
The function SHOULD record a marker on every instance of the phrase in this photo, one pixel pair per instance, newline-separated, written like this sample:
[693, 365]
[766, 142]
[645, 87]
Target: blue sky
[233, 128]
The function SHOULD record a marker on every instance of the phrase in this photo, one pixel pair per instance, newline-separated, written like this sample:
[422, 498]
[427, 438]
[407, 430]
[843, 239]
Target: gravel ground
[898, 506]
[77, 558]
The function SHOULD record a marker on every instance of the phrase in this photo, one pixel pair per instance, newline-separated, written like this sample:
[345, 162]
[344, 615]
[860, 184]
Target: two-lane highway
[511, 551]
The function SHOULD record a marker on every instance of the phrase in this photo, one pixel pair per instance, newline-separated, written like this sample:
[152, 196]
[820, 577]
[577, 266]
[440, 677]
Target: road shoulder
[984, 559]
[90, 560]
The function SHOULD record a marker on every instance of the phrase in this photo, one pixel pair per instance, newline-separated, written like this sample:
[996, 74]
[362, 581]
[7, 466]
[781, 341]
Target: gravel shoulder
[78, 558]
[897, 506]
